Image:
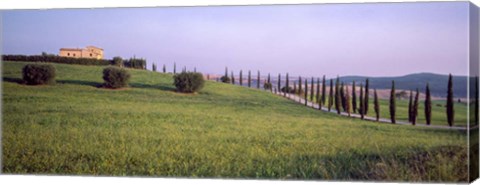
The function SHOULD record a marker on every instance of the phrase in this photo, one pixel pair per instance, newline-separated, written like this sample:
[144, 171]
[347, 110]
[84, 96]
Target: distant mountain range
[438, 83]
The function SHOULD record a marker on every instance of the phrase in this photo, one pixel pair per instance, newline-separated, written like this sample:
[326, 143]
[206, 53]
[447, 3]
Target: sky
[379, 39]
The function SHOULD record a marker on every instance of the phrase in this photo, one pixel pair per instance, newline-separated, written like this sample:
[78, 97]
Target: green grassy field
[224, 131]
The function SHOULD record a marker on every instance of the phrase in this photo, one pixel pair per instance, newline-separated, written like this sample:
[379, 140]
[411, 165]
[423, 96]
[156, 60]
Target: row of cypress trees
[174, 70]
[231, 79]
[340, 97]
[412, 106]
[414, 101]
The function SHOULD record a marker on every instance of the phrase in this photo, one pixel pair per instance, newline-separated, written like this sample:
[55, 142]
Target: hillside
[438, 83]
[224, 131]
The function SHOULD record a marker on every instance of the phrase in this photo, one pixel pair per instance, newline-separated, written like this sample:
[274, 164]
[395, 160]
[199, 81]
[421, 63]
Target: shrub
[188, 82]
[287, 90]
[115, 77]
[225, 79]
[267, 86]
[117, 61]
[38, 74]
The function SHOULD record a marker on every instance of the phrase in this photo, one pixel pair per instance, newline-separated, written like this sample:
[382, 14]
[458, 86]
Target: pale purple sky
[382, 39]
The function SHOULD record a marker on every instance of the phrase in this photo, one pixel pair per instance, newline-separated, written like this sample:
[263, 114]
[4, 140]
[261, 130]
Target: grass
[439, 116]
[224, 131]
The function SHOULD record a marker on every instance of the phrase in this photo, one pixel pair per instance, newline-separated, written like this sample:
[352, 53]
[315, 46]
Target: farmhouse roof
[94, 47]
[71, 49]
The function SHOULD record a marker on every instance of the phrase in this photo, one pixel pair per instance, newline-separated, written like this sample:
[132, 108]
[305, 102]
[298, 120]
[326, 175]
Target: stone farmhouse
[88, 52]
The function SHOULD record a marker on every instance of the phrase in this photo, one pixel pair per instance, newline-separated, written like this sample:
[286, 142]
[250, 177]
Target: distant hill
[438, 83]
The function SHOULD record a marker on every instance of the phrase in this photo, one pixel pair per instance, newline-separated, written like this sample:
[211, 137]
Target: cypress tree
[410, 107]
[347, 101]
[392, 103]
[208, 76]
[330, 96]
[154, 67]
[450, 110]
[164, 68]
[241, 78]
[258, 79]
[294, 87]
[376, 104]
[342, 97]
[269, 82]
[362, 104]
[279, 81]
[317, 97]
[249, 79]
[226, 72]
[195, 69]
[428, 105]
[233, 78]
[415, 109]
[134, 64]
[366, 96]
[306, 91]
[354, 98]
[174, 68]
[312, 90]
[322, 102]
[337, 96]
[300, 86]
[476, 100]
[286, 86]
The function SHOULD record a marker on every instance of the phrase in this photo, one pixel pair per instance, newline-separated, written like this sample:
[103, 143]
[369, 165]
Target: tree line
[136, 63]
[339, 96]
[342, 100]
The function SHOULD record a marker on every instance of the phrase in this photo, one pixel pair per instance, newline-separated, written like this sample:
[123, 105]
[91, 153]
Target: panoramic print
[325, 92]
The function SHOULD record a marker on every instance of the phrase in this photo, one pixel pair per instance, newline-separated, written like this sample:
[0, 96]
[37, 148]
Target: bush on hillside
[115, 77]
[38, 74]
[289, 90]
[225, 79]
[267, 86]
[117, 61]
[188, 82]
